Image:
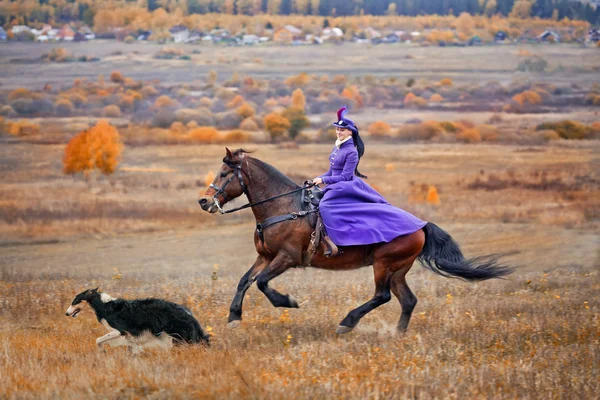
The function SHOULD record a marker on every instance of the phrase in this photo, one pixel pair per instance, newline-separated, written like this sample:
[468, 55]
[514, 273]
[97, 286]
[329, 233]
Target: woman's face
[342, 133]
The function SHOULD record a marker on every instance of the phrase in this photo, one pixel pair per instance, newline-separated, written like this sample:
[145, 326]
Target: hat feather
[342, 113]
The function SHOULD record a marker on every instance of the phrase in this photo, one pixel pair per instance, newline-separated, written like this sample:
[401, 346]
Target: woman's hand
[317, 181]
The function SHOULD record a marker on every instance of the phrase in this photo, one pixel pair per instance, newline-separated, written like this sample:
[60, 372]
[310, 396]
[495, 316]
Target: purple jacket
[342, 163]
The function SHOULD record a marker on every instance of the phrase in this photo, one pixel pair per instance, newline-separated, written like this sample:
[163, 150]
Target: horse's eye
[224, 174]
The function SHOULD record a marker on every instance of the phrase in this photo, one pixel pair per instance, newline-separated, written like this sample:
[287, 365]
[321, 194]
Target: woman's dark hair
[360, 146]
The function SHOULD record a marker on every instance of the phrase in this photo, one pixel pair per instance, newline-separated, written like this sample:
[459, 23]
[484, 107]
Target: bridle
[237, 171]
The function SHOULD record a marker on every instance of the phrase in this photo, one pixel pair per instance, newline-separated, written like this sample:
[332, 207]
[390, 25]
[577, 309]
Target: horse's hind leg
[407, 299]
[281, 263]
[382, 296]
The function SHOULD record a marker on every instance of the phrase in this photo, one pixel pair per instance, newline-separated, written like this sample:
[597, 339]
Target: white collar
[339, 142]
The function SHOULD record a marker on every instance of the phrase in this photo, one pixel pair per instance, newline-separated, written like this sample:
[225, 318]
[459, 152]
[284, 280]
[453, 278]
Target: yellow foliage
[246, 110]
[178, 128]
[112, 111]
[299, 80]
[432, 196]
[22, 128]
[276, 125]
[96, 148]
[237, 101]
[116, 77]
[204, 135]
[298, 99]
[237, 136]
[436, 98]
[411, 100]
[270, 103]
[249, 125]
[164, 101]
[446, 82]
[379, 129]
[469, 136]
[339, 80]
[20, 93]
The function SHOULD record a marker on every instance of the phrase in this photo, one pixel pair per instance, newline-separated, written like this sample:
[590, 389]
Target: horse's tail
[442, 255]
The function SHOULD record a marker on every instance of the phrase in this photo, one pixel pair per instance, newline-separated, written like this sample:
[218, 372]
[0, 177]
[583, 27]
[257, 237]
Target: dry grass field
[140, 233]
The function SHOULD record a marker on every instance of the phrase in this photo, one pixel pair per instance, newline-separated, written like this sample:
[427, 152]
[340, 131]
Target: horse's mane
[275, 176]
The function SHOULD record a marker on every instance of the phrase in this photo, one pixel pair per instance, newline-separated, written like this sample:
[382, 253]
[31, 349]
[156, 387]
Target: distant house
[87, 32]
[475, 41]
[20, 29]
[500, 36]
[549, 36]
[287, 34]
[3, 35]
[372, 33]
[250, 39]
[593, 35]
[179, 33]
[79, 37]
[332, 33]
[144, 35]
[391, 38]
[194, 36]
[66, 33]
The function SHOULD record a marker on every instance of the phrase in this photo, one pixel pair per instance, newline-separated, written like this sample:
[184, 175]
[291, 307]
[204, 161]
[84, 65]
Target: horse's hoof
[293, 302]
[234, 324]
[343, 329]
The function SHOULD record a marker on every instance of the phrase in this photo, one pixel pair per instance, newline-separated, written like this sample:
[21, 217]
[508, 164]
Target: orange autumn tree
[96, 148]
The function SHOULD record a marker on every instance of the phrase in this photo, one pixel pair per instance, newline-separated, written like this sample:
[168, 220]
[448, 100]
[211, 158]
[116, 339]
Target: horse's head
[228, 184]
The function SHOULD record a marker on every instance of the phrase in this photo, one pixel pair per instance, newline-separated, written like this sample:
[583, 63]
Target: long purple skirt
[355, 214]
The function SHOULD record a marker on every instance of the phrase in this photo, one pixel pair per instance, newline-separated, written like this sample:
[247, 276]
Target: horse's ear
[228, 155]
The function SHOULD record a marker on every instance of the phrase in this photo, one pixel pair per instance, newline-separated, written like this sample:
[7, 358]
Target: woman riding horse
[353, 212]
[374, 232]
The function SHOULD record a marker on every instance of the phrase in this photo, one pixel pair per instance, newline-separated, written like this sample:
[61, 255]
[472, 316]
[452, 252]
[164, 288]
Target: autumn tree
[96, 148]
[276, 125]
[298, 99]
[298, 120]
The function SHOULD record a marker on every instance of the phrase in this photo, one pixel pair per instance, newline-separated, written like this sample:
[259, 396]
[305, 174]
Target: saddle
[311, 197]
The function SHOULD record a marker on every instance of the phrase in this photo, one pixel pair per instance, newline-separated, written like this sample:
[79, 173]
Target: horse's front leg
[281, 263]
[235, 310]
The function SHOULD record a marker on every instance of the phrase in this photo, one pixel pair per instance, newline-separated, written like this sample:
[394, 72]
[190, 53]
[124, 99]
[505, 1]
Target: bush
[469, 136]
[298, 99]
[178, 128]
[488, 133]
[23, 128]
[164, 101]
[423, 131]
[411, 100]
[206, 102]
[297, 118]
[567, 129]
[204, 135]
[225, 95]
[59, 54]
[163, 118]
[446, 82]
[436, 98]
[7, 111]
[533, 64]
[276, 125]
[379, 129]
[112, 111]
[23, 106]
[20, 93]
[237, 136]
[63, 108]
[148, 91]
[299, 80]
[96, 148]
[116, 77]
[129, 39]
[246, 110]
[249, 125]
[229, 120]
[201, 116]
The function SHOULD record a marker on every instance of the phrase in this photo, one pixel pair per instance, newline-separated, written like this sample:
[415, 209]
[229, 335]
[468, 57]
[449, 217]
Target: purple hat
[344, 122]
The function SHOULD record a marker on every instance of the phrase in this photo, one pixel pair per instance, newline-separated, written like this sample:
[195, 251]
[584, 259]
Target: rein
[237, 171]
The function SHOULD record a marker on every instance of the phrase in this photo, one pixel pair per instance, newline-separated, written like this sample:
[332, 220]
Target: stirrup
[331, 250]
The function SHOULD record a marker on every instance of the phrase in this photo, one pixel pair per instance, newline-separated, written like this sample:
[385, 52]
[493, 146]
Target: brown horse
[284, 232]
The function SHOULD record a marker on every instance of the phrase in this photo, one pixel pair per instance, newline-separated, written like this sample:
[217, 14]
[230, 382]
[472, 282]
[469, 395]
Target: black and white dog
[140, 323]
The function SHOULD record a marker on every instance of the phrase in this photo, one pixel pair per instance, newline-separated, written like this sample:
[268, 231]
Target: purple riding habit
[353, 212]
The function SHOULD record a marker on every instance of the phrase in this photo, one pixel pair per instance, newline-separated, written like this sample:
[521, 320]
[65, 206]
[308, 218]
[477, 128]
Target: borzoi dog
[140, 323]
